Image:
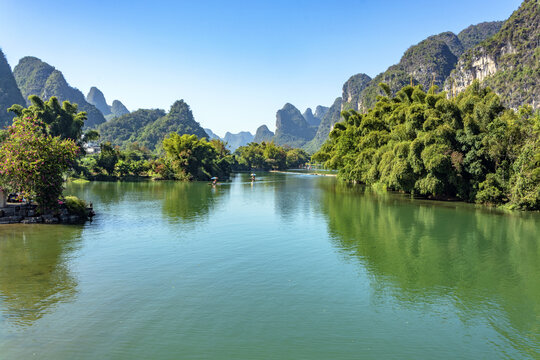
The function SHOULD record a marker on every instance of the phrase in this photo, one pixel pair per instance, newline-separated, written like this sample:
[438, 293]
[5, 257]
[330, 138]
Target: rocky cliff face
[332, 116]
[508, 62]
[118, 109]
[352, 89]
[320, 111]
[234, 141]
[9, 92]
[311, 119]
[429, 62]
[211, 135]
[291, 127]
[263, 134]
[35, 77]
[96, 98]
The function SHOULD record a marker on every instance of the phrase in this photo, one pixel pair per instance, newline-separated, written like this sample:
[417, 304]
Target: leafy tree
[268, 156]
[32, 161]
[193, 158]
[108, 157]
[63, 120]
[469, 147]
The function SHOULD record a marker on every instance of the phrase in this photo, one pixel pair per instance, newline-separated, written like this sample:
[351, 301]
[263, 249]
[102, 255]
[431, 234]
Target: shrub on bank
[76, 206]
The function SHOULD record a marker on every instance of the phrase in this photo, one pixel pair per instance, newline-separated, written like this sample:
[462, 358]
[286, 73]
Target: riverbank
[303, 173]
[29, 214]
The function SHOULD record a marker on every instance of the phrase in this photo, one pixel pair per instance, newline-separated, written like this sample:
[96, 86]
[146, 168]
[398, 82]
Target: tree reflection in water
[427, 253]
[34, 270]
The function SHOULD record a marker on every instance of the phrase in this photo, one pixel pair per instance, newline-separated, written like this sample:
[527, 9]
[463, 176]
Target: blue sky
[235, 62]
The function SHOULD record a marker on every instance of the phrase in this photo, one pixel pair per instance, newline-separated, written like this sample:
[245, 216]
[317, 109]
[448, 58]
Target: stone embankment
[29, 214]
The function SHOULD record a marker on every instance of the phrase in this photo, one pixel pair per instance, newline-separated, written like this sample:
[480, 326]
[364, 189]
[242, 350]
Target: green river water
[289, 267]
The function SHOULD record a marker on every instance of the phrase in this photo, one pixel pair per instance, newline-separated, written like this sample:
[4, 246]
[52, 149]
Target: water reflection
[34, 274]
[182, 202]
[294, 196]
[479, 259]
[186, 202]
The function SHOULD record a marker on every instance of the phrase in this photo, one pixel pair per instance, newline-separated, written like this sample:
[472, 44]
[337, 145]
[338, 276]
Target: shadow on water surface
[34, 270]
[480, 260]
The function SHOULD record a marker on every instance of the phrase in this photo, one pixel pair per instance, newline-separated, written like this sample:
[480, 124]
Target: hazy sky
[234, 62]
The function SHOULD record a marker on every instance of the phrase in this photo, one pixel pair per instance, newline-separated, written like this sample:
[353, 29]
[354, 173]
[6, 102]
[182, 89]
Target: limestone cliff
[352, 89]
[234, 141]
[35, 77]
[9, 92]
[291, 127]
[508, 62]
[263, 134]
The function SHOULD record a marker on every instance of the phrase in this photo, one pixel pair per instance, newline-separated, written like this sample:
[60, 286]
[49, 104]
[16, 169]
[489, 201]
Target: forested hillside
[508, 62]
[35, 77]
[149, 127]
[9, 92]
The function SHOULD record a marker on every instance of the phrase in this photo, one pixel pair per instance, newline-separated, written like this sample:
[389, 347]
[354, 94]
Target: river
[289, 267]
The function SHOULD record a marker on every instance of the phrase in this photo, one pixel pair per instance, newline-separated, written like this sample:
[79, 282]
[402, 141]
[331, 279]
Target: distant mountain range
[148, 127]
[35, 77]
[502, 55]
[233, 141]
[96, 98]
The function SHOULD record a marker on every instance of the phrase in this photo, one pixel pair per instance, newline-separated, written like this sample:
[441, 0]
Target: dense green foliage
[76, 206]
[179, 120]
[9, 92]
[269, 156]
[32, 161]
[191, 158]
[35, 77]
[475, 34]
[469, 147]
[125, 129]
[63, 120]
[429, 61]
[149, 127]
[114, 164]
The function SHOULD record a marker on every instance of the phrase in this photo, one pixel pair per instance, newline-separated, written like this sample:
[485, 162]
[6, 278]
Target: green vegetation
[35, 77]
[125, 129]
[190, 158]
[9, 92]
[475, 34]
[114, 164]
[469, 148]
[76, 206]
[269, 156]
[514, 56]
[32, 161]
[62, 121]
[331, 117]
[149, 127]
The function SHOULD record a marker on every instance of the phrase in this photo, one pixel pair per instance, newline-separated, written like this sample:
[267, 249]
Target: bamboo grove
[468, 147]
